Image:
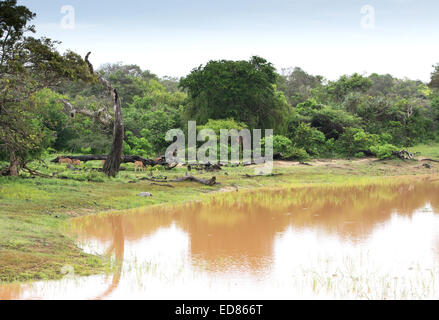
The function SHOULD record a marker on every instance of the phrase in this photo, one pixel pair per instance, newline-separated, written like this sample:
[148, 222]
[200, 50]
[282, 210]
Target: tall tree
[114, 159]
[26, 66]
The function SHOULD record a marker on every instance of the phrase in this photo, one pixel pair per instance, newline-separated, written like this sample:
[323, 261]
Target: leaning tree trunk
[114, 159]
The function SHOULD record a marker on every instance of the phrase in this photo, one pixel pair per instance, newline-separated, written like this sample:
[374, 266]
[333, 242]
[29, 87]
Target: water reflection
[336, 242]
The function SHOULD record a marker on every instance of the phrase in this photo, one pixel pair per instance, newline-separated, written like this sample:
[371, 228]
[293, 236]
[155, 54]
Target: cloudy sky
[170, 37]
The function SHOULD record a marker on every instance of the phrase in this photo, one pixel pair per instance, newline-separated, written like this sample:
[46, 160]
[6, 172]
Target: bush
[354, 140]
[86, 150]
[138, 145]
[284, 146]
[281, 144]
[296, 153]
[308, 138]
[384, 151]
[226, 124]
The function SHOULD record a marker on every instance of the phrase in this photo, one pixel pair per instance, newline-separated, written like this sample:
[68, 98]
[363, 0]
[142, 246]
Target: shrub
[308, 138]
[297, 153]
[355, 140]
[281, 144]
[86, 150]
[384, 151]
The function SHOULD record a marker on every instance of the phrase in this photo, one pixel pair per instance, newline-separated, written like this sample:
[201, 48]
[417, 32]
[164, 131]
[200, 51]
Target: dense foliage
[28, 65]
[354, 116]
[242, 90]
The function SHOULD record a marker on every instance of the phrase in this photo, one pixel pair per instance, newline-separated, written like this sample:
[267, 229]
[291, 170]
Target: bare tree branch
[100, 115]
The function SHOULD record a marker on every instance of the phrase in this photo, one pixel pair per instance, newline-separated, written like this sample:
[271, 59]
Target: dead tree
[211, 182]
[112, 164]
[404, 155]
[114, 158]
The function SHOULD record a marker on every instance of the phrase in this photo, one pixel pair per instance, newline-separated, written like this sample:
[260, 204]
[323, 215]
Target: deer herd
[138, 165]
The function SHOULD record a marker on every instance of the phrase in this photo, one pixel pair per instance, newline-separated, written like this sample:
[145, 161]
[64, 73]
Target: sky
[171, 37]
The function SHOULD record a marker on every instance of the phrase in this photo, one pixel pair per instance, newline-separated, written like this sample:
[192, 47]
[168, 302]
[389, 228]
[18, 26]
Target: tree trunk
[14, 164]
[114, 159]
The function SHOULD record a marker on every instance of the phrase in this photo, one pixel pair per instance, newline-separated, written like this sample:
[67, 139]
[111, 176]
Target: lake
[369, 240]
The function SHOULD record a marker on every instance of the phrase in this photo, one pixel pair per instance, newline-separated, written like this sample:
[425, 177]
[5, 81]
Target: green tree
[157, 110]
[26, 66]
[346, 84]
[128, 80]
[242, 90]
[309, 138]
[297, 85]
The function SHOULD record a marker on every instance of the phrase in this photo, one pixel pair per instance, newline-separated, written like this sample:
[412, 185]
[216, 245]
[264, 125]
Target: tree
[114, 159]
[354, 83]
[128, 80]
[27, 65]
[297, 85]
[158, 110]
[332, 121]
[381, 84]
[242, 90]
[434, 83]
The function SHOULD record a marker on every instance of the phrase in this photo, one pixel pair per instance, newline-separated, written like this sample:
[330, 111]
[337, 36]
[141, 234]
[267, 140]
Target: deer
[76, 162]
[65, 160]
[139, 165]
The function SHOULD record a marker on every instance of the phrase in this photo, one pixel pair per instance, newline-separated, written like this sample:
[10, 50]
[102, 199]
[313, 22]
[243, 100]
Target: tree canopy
[27, 65]
[242, 90]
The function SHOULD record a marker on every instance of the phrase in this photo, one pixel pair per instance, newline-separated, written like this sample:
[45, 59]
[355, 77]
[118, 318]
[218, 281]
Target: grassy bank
[426, 150]
[33, 210]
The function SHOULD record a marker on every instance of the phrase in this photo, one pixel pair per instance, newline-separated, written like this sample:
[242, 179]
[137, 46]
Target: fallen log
[207, 167]
[432, 160]
[125, 159]
[162, 185]
[403, 155]
[153, 179]
[210, 182]
[36, 173]
[82, 158]
[262, 175]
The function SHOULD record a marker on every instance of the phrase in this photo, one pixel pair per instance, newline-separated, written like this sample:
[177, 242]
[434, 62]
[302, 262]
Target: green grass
[34, 211]
[427, 150]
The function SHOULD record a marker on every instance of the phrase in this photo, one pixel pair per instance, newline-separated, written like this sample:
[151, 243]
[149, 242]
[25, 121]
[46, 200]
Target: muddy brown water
[368, 241]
